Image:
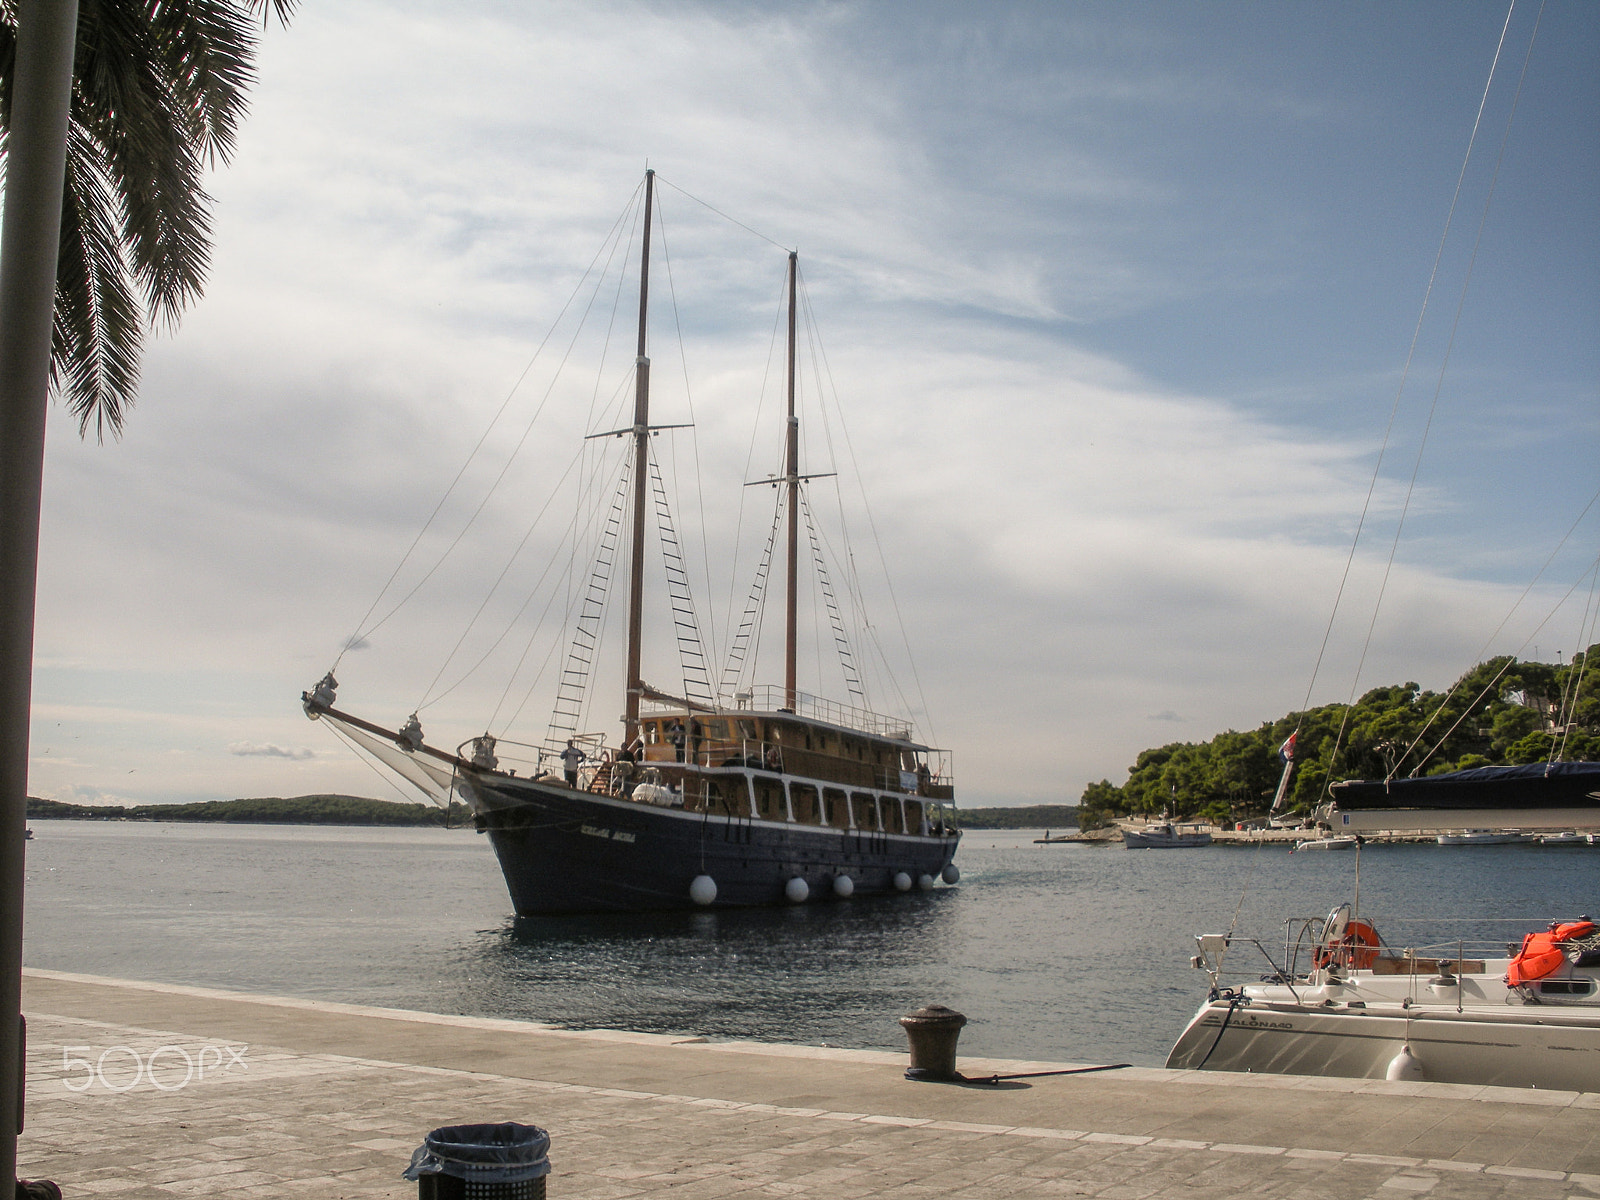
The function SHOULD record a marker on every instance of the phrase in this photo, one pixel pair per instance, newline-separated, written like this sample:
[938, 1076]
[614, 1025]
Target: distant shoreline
[271, 810]
[358, 810]
[1029, 816]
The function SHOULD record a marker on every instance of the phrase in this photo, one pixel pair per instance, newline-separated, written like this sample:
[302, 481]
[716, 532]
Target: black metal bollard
[932, 1033]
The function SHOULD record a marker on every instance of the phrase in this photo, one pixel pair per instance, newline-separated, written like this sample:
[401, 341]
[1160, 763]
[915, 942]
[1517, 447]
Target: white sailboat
[1338, 1000]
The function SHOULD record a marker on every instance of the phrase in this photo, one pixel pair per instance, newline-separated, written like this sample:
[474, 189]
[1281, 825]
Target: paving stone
[331, 1100]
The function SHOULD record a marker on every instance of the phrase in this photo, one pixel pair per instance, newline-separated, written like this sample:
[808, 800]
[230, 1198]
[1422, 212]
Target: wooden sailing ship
[776, 797]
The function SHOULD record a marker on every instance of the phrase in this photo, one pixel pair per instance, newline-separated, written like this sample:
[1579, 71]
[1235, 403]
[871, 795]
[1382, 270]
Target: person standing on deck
[624, 769]
[571, 759]
[675, 736]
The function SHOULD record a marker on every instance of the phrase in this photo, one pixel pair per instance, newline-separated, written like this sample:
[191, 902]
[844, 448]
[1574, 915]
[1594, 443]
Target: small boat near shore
[1341, 1002]
[1165, 836]
[1482, 837]
[1342, 842]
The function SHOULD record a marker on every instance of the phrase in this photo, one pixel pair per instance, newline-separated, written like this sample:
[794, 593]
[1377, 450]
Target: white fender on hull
[703, 890]
[843, 886]
[797, 890]
[1405, 1066]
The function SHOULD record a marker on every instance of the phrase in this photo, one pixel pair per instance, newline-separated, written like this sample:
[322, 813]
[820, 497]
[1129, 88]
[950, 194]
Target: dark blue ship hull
[1540, 785]
[567, 851]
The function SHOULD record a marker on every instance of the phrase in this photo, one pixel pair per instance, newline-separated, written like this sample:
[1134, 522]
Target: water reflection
[1063, 953]
[837, 973]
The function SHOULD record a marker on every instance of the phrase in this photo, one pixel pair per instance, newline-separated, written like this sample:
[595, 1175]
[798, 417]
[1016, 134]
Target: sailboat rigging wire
[825, 385]
[405, 797]
[749, 460]
[852, 677]
[694, 441]
[556, 557]
[685, 618]
[1404, 376]
[1574, 688]
[746, 643]
[434, 697]
[605, 346]
[362, 629]
[841, 637]
[1238, 908]
[854, 587]
[591, 601]
[483, 503]
[1489, 641]
[723, 215]
[1510, 659]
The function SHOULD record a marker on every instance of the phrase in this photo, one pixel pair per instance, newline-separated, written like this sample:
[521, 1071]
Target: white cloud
[252, 749]
[1023, 237]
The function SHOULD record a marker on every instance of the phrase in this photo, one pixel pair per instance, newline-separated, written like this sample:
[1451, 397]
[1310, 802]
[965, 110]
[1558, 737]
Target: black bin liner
[507, 1161]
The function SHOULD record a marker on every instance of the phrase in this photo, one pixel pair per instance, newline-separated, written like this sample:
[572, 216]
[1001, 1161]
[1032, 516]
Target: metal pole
[35, 170]
[641, 464]
[791, 692]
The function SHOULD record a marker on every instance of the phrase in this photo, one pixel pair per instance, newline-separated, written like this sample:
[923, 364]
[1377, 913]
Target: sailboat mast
[793, 478]
[641, 465]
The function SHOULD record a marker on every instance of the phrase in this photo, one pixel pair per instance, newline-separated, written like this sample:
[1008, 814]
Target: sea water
[1056, 952]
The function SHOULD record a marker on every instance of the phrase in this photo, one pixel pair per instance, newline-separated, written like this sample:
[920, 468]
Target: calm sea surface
[1053, 952]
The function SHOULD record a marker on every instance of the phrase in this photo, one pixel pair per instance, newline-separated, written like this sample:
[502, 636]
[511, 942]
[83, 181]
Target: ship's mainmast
[641, 466]
[792, 478]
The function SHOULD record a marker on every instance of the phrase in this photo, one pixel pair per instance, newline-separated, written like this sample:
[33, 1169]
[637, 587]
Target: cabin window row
[805, 805]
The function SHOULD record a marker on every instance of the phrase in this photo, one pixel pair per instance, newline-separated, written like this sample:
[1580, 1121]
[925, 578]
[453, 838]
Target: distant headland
[1030, 816]
[270, 810]
[357, 810]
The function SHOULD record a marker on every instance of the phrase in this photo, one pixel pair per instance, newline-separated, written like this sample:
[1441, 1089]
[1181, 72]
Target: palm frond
[143, 127]
[208, 56]
[98, 331]
[159, 93]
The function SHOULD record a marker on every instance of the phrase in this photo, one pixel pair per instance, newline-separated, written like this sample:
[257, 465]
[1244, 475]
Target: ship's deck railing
[771, 698]
[1422, 945]
[930, 777]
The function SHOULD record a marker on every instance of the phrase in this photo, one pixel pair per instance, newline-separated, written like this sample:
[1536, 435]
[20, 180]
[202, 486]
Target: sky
[1118, 299]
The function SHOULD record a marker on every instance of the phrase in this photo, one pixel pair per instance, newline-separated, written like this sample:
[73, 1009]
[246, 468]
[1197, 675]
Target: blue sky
[1117, 295]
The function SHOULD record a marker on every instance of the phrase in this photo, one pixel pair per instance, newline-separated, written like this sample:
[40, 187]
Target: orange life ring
[1357, 947]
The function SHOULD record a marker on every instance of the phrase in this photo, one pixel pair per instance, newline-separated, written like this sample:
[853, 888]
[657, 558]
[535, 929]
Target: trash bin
[482, 1162]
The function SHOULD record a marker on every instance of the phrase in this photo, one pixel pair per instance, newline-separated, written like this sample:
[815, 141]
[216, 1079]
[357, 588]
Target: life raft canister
[1541, 953]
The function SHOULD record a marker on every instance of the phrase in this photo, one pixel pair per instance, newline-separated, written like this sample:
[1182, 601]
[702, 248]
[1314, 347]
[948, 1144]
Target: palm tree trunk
[36, 160]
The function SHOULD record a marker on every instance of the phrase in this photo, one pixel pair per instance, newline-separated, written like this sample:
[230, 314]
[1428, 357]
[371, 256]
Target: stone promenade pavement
[143, 1090]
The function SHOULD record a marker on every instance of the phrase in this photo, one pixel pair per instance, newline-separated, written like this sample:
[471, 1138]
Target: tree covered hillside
[293, 810]
[1501, 711]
